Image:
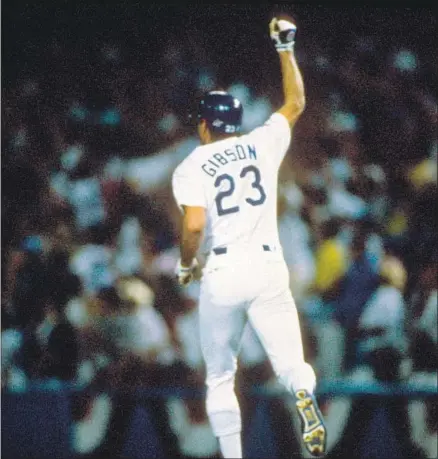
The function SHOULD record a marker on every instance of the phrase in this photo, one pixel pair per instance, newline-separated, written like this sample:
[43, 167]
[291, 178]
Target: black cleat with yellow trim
[312, 423]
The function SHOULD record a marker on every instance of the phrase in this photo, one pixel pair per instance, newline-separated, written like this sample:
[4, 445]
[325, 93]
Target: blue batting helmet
[222, 112]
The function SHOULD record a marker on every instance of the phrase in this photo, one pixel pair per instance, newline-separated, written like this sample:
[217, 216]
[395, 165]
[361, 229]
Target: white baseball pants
[236, 287]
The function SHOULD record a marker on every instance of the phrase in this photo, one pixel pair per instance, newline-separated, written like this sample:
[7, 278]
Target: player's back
[235, 179]
[241, 193]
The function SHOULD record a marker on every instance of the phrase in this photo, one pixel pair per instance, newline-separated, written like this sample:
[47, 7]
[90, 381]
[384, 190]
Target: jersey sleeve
[188, 189]
[275, 135]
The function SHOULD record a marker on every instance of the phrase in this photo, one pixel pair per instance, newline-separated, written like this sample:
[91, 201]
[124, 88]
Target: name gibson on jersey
[238, 153]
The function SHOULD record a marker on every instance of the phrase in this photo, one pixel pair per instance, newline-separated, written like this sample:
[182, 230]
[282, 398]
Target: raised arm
[283, 35]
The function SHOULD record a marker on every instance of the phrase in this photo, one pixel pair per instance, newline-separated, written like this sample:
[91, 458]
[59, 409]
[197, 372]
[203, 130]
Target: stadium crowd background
[95, 103]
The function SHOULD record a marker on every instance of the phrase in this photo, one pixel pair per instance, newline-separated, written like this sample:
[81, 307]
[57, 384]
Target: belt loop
[220, 250]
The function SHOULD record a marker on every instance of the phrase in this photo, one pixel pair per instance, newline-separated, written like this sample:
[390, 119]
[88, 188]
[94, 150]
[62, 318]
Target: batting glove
[282, 33]
[185, 273]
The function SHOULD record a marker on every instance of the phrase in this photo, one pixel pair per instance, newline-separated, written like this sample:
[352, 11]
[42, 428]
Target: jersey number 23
[257, 200]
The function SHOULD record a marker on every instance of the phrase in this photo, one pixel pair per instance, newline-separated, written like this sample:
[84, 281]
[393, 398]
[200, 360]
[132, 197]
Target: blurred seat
[381, 438]
[259, 439]
[36, 426]
[142, 439]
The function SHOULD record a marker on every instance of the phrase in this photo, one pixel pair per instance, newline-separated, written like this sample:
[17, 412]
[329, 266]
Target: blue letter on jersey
[211, 172]
[230, 153]
[240, 152]
[220, 159]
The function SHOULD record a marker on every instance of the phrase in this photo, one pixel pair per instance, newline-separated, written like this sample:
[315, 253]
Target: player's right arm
[282, 32]
[276, 133]
[190, 198]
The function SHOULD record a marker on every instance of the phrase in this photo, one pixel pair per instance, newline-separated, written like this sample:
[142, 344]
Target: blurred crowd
[90, 138]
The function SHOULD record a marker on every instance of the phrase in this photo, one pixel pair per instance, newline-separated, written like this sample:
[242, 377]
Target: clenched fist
[282, 32]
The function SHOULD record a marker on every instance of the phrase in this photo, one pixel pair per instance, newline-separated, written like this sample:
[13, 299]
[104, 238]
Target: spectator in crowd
[30, 282]
[354, 290]
[50, 349]
[331, 259]
[295, 238]
[129, 327]
[422, 234]
[59, 343]
[92, 262]
[331, 262]
[382, 324]
[12, 375]
[422, 316]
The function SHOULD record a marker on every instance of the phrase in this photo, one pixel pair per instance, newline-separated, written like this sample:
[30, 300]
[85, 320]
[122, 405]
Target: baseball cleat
[312, 423]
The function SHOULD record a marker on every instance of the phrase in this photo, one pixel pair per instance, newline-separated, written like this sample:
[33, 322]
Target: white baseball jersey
[235, 179]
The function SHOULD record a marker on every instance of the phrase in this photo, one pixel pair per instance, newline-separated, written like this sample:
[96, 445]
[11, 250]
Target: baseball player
[227, 191]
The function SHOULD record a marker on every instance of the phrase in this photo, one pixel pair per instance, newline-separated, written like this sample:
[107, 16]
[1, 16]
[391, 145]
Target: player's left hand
[185, 274]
